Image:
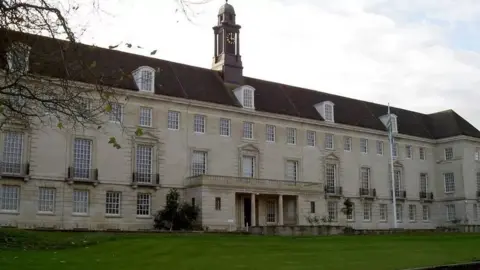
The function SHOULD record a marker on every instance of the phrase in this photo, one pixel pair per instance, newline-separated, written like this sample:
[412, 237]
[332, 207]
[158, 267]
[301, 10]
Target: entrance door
[247, 212]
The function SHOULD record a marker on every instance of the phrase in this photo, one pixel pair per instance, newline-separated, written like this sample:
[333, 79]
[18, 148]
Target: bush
[176, 216]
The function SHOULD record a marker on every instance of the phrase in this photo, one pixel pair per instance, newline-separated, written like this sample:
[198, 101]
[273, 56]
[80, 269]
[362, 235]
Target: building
[247, 151]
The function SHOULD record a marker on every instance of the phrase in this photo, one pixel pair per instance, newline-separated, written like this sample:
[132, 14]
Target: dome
[226, 8]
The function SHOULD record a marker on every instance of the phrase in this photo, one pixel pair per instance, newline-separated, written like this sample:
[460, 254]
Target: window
[367, 212]
[312, 207]
[248, 166]
[351, 215]
[423, 182]
[145, 79]
[199, 123]
[329, 144]
[146, 116]
[395, 150]
[248, 98]
[364, 146]
[475, 212]
[80, 202]
[311, 137]
[477, 154]
[9, 198]
[380, 148]
[218, 203]
[12, 152]
[448, 153]
[225, 125]
[383, 212]
[397, 175]
[143, 204]
[425, 212]
[173, 120]
[421, 153]
[347, 144]
[116, 113]
[394, 124]
[451, 212]
[270, 133]
[328, 112]
[292, 170]
[291, 135]
[330, 176]
[18, 57]
[399, 213]
[365, 178]
[412, 212]
[112, 203]
[82, 158]
[199, 163]
[271, 210]
[247, 130]
[46, 200]
[144, 163]
[332, 211]
[408, 151]
[449, 182]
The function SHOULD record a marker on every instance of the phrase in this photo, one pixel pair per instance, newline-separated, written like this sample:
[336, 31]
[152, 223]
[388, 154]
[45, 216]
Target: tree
[42, 87]
[176, 215]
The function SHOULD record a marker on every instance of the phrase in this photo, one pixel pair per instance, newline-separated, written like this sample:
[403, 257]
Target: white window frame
[144, 163]
[412, 212]
[82, 158]
[331, 175]
[379, 145]
[291, 135]
[347, 144]
[113, 203]
[10, 198]
[248, 98]
[399, 213]
[424, 182]
[422, 153]
[329, 142]
[80, 202]
[146, 117]
[225, 127]
[12, 156]
[383, 212]
[18, 50]
[173, 120]
[450, 209]
[248, 130]
[199, 123]
[367, 211]
[116, 114]
[270, 133]
[351, 216]
[248, 166]
[144, 200]
[144, 77]
[271, 211]
[329, 112]
[311, 138]
[395, 150]
[449, 182]
[363, 146]
[448, 153]
[199, 164]
[332, 210]
[408, 152]
[46, 200]
[425, 212]
[365, 175]
[477, 154]
[291, 170]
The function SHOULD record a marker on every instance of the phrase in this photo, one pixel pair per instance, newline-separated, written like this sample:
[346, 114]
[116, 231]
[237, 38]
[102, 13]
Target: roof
[189, 82]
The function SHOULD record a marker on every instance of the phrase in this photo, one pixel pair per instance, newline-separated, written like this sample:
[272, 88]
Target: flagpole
[390, 142]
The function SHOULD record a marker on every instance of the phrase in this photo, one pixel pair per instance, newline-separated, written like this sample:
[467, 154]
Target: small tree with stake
[176, 215]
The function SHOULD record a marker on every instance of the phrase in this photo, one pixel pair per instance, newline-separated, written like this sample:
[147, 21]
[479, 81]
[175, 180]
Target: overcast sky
[422, 55]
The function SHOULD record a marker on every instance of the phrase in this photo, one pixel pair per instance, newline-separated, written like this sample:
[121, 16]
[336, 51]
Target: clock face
[231, 38]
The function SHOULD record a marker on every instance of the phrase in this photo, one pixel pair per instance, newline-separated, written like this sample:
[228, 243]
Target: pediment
[397, 163]
[249, 147]
[332, 156]
[147, 136]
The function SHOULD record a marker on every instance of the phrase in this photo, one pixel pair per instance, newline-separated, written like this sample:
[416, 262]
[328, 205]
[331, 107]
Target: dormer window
[246, 96]
[326, 110]
[390, 122]
[145, 79]
[18, 57]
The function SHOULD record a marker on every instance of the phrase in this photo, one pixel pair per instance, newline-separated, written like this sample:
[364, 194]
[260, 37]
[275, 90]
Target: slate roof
[183, 81]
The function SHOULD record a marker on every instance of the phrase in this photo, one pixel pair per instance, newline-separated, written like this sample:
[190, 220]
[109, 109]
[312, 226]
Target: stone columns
[253, 210]
[280, 210]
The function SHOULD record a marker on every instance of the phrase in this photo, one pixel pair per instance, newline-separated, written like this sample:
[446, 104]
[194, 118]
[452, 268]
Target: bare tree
[39, 85]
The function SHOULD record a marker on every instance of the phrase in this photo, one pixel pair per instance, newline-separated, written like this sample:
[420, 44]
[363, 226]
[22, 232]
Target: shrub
[176, 215]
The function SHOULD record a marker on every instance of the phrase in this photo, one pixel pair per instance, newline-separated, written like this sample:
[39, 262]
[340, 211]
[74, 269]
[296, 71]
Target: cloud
[397, 51]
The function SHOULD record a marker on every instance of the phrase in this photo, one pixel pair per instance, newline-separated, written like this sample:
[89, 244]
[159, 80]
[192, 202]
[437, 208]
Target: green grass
[210, 251]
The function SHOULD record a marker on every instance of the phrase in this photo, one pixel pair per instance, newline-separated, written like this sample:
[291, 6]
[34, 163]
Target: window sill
[198, 133]
[144, 217]
[4, 212]
[225, 136]
[45, 214]
[173, 129]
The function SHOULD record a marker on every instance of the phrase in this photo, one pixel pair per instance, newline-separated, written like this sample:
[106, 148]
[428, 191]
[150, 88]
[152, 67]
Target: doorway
[247, 212]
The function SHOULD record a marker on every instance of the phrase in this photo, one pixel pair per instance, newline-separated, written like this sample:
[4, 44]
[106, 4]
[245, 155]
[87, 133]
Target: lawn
[91, 251]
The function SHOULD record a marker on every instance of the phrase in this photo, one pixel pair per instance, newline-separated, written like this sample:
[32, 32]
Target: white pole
[390, 142]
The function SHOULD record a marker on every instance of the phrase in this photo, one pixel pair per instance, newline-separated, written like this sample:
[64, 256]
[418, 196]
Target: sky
[420, 55]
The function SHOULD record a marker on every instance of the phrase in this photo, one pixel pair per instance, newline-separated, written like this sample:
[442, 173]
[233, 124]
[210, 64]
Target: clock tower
[227, 57]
